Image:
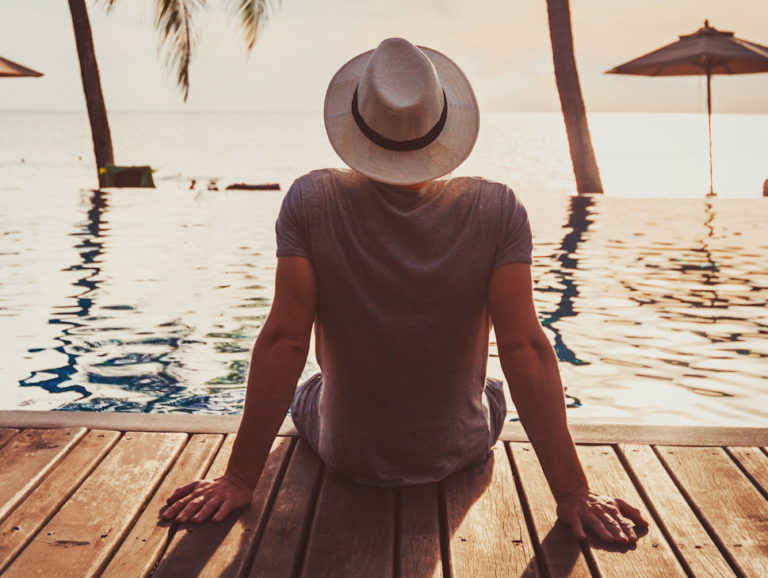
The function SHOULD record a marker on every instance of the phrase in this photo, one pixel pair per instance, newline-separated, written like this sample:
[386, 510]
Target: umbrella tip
[706, 23]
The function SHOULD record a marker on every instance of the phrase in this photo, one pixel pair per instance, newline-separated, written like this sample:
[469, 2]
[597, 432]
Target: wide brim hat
[446, 151]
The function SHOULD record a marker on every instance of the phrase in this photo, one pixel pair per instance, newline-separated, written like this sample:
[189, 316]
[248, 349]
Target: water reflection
[79, 321]
[671, 311]
[89, 249]
[656, 306]
[566, 286]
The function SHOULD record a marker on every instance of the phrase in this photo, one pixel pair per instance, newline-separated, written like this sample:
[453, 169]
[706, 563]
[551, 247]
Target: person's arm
[530, 367]
[277, 361]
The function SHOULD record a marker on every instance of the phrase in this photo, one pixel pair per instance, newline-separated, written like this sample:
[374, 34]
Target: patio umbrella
[10, 68]
[707, 51]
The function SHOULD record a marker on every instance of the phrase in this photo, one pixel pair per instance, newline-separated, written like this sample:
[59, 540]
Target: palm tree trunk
[94, 98]
[574, 113]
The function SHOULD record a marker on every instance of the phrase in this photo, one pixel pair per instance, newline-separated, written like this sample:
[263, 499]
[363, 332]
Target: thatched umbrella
[707, 51]
[10, 68]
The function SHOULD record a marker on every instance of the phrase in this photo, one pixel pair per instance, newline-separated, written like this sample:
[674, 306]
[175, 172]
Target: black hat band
[399, 145]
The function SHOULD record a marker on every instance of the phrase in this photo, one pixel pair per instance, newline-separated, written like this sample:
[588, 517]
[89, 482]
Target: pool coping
[583, 430]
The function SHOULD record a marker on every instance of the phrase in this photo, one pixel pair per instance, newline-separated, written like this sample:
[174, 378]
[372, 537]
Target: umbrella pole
[709, 130]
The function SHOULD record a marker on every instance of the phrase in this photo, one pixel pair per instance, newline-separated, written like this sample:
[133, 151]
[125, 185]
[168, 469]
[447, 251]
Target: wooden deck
[80, 500]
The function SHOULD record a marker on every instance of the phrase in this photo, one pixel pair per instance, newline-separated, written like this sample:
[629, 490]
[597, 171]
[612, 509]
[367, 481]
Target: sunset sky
[502, 45]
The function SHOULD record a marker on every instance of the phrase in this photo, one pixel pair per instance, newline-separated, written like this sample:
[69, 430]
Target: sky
[502, 46]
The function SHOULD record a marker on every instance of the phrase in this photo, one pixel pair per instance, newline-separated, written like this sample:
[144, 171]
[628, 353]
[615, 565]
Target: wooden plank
[755, 464]
[589, 432]
[281, 546]
[80, 537]
[583, 430]
[6, 434]
[159, 422]
[418, 532]
[353, 531]
[23, 523]
[223, 549]
[732, 507]
[27, 458]
[486, 523]
[147, 540]
[672, 511]
[651, 555]
[560, 550]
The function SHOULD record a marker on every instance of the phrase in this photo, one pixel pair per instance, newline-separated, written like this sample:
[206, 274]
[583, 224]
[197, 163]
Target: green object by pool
[116, 176]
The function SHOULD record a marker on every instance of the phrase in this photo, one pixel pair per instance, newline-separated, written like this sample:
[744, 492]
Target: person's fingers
[626, 528]
[191, 509]
[173, 509]
[624, 525]
[597, 526]
[631, 512]
[183, 501]
[208, 507]
[613, 526]
[181, 492]
[577, 527]
[224, 509]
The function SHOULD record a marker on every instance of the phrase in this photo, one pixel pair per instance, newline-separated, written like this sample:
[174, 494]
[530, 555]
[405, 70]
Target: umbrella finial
[706, 23]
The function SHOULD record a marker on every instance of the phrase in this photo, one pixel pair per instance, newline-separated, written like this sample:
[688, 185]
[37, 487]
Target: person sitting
[403, 273]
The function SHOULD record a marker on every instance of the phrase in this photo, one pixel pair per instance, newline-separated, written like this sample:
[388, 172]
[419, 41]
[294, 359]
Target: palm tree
[574, 113]
[175, 24]
[94, 98]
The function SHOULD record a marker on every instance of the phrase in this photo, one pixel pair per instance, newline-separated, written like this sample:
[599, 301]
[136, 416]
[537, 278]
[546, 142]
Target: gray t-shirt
[402, 322]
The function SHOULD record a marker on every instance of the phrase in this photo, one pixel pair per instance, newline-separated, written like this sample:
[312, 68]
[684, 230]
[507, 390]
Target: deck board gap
[758, 486]
[169, 536]
[445, 534]
[527, 514]
[398, 534]
[724, 552]
[147, 499]
[33, 479]
[270, 503]
[174, 526]
[657, 518]
[7, 434]
[67, 495]
[301, 550]
[590, 559]
[126, 530]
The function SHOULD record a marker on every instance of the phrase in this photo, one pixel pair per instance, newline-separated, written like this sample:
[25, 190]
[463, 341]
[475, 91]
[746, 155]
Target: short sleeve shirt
[402, 324]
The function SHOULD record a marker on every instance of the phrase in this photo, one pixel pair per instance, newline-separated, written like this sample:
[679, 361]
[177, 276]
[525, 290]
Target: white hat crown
[401, 114]
[399, 94]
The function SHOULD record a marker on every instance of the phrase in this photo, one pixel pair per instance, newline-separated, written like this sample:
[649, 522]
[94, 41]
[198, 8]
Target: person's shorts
[305, 414]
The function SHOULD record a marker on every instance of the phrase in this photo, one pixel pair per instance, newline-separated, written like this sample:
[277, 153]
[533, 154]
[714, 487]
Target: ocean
[148, 300]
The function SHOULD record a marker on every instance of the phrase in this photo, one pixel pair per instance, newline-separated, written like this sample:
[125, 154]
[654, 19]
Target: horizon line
[318, 111]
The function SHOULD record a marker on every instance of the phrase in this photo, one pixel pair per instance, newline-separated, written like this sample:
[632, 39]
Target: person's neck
[415, 187]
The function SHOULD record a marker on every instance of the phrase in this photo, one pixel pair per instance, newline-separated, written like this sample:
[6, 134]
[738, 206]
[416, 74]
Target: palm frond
[253, 15]
[175, 23]
[107, 4]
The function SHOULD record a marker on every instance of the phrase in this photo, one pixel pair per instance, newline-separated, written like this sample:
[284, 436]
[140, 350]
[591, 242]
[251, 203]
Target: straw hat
[401, 114]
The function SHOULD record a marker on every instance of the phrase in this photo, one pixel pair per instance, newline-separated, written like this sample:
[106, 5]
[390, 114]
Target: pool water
[149, 300]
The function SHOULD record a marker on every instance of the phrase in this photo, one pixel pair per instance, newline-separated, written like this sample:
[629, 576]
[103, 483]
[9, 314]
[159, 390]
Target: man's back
[402, 320]
[400, 288]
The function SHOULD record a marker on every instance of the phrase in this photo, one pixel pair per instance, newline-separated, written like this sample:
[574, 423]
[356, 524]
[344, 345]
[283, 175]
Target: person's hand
[606, 516]
[196, 501]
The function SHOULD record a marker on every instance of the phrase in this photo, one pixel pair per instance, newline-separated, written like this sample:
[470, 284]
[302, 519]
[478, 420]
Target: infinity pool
[149, 300]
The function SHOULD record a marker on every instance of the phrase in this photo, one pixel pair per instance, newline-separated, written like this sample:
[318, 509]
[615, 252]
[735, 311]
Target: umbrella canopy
[707, 51]
[10, 68]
